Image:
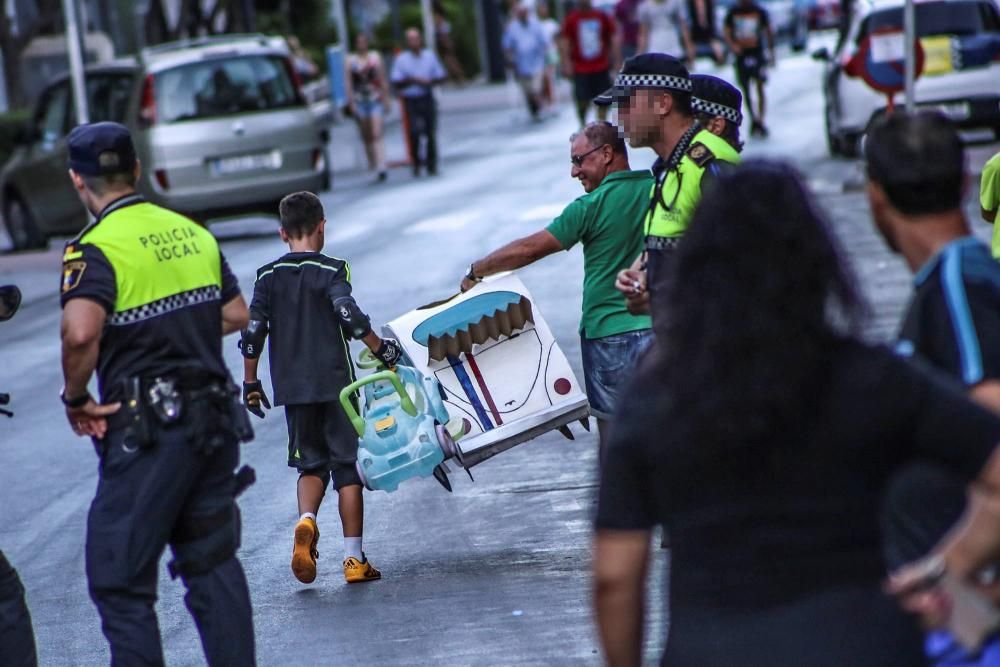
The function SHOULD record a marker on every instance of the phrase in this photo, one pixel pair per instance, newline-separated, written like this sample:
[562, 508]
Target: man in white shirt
[415, 72]
[663, 28]
[525, 46]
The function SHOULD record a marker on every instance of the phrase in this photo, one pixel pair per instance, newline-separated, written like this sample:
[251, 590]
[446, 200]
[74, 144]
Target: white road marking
[346, 234]
[543, 212]
[450, 222]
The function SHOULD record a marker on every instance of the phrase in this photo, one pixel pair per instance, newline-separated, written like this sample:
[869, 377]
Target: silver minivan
[219, 123]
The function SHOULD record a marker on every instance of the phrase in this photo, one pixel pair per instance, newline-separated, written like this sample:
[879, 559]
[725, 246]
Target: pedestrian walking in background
[989, 198]
[589, 51]
[627, 16]
[916, 171]
[653, 97]
[607, 220]
[550, 28]
[524, 46]
[302, 302]
[368, 100]
[701, 19]
[147, 297]
[762, 435]
[663, 28]
[415, 72]
[747, 28]
[304, 65]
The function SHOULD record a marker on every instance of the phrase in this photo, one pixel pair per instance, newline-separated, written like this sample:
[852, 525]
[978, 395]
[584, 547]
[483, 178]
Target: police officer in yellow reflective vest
[147, 297]
[653, 96]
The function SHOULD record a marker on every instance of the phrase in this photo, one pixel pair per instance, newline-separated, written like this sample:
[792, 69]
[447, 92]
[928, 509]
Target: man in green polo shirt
[608, 221]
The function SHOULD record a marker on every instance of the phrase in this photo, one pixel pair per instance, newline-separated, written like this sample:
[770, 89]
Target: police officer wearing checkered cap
[653, 96]
[147, 297]
[717, 106]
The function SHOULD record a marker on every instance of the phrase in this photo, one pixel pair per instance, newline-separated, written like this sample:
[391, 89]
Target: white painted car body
[504, 376]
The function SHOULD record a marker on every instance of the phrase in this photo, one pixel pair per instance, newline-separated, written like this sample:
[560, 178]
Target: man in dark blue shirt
[916, 171]
[917, 175]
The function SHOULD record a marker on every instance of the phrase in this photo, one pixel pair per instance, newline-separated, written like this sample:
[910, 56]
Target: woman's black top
[771, 530]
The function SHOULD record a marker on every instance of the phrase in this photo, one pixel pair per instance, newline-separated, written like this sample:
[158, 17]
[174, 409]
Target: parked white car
[961, 78]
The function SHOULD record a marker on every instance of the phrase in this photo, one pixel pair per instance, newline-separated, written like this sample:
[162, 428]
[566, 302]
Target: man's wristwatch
[73, 403]
[471, 275]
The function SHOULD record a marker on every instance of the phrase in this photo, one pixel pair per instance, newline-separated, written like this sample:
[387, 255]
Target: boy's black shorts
[589, 86]
[751, 66]
[322, 440]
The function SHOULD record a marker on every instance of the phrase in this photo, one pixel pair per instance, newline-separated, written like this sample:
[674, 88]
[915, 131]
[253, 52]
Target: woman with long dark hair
[761, 435]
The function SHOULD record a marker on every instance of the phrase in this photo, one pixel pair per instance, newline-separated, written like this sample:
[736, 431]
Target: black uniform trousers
[421, 114]
[17, 640]
[660, 267]
[145, 498]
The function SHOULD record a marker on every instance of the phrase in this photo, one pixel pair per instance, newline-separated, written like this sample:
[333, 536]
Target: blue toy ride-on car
[403, 432]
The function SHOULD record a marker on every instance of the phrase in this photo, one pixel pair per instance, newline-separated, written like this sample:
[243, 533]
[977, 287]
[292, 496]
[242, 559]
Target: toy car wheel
[448, 444]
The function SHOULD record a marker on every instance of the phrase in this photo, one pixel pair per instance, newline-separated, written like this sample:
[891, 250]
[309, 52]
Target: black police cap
[101, 148]
[716, 97]
[647, 70]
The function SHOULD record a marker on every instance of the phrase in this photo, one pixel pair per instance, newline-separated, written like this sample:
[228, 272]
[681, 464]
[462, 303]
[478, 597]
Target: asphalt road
[495, 573]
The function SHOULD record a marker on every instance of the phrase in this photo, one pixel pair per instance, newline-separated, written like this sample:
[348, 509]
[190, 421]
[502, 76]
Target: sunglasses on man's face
[578, 159]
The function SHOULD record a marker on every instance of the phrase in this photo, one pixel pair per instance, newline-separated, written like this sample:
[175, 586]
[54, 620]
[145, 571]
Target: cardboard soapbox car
[481, 374]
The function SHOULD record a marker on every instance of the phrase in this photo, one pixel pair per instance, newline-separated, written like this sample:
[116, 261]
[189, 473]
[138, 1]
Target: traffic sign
[881, 60]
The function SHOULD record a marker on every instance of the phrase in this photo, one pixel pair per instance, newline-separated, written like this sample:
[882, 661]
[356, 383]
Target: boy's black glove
[254, 396]
[389, 352]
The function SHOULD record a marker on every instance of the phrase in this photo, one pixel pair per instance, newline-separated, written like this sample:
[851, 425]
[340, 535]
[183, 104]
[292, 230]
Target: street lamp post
[428, 16]
[249, 17]
[340, 18]
[75, 52]
[910, 64]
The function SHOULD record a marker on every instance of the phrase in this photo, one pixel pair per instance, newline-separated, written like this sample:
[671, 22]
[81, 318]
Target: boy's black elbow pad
[252, 339]
[350, 314]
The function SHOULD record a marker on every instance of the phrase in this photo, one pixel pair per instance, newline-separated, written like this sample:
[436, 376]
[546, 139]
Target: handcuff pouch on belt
[148, 402]
[216, 415]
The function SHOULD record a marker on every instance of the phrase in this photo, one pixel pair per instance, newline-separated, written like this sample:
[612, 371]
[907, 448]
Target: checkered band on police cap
[716, 97]
[716, 109]
[653, 81]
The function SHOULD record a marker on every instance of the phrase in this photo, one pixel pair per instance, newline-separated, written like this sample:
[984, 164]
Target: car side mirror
[10, 299]
[821, 54]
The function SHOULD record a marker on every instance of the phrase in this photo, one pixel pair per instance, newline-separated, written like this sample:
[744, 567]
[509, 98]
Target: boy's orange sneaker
[359, 570]
[304, 552]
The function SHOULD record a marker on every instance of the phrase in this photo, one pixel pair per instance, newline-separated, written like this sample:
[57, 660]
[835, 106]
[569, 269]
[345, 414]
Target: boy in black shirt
[303, 300]
[747, 26]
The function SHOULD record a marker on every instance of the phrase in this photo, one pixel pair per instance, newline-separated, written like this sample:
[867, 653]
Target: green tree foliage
[460, 13]
[309, 20]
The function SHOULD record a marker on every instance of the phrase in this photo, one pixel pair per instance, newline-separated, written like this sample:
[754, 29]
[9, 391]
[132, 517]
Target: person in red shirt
[590, 50]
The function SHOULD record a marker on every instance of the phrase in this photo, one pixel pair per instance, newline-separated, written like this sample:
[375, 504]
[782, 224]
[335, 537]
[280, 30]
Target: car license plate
[251, 162]
[953, 110]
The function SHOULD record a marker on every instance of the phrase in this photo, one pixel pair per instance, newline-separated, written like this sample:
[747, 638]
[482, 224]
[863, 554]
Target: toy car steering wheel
[367, 360]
